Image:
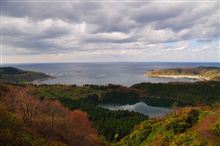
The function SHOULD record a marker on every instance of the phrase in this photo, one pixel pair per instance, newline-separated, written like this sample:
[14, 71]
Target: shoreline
[200, 78]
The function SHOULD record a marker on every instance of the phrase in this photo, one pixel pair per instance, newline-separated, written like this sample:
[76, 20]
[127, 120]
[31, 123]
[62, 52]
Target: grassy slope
[14, 75]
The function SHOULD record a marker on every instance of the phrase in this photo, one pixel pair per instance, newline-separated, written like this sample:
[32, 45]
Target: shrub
[177, 125]
[183, 120]
[216, 128]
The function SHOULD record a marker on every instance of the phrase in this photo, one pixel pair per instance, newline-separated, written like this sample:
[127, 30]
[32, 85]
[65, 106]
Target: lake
[124, 73]
[139, 107]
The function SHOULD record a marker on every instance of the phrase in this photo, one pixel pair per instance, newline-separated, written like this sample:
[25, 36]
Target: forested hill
[62, 115]
[201, 73]
[206, 92]
[14, 75]
[184, 127]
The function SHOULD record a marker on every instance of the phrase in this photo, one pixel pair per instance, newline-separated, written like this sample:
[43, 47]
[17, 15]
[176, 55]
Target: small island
[15, 75]
[199, 73]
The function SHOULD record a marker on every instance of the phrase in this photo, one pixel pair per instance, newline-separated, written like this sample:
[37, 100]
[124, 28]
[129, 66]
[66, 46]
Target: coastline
[196, 77]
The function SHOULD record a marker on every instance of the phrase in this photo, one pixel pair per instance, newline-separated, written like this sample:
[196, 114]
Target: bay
[123, 73]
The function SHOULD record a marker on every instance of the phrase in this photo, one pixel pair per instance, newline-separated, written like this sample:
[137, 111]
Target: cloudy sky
[110, 31]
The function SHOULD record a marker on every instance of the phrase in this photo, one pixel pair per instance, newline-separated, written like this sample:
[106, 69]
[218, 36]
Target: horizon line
[114, 62]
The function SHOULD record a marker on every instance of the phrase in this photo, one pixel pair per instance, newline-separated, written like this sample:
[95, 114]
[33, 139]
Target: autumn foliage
[45, 121]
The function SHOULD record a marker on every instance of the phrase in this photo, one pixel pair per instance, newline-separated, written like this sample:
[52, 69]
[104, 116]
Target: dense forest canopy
[189, 93]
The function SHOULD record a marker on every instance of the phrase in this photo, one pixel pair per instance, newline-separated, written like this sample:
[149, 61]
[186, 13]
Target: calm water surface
[139, 107]
[103, 73]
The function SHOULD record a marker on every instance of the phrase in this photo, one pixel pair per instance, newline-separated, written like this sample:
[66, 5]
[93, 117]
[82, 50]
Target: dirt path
[204, 129]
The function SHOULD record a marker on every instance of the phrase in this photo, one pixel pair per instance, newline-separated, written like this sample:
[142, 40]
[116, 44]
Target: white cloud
[111, 31]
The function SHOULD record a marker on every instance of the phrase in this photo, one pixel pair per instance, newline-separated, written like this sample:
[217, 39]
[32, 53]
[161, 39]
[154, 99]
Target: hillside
[44, 114]
[27, 120]
[110, 125]
[199, 73]
[186, 126]
[56, 110]
[14, 75]
[53, 123]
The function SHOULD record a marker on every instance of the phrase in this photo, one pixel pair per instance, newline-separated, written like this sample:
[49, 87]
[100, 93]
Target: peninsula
[15, 75]
[198, 73]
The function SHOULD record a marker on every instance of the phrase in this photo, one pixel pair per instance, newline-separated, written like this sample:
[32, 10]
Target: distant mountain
[14, 75]
[200, 73]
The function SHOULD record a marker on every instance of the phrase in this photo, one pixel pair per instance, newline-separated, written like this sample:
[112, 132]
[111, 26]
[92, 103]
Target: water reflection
[139, 107]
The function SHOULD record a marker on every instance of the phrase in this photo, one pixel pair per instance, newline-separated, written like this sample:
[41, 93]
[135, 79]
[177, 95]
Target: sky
[37, 31]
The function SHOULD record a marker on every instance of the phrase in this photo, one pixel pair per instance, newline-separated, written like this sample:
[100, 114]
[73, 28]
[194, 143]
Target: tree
[78, 131]
[27, 106]
[53, 108]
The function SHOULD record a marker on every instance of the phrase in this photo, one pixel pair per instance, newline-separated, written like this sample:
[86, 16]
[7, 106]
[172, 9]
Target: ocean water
[127, 74]
[140, 107]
